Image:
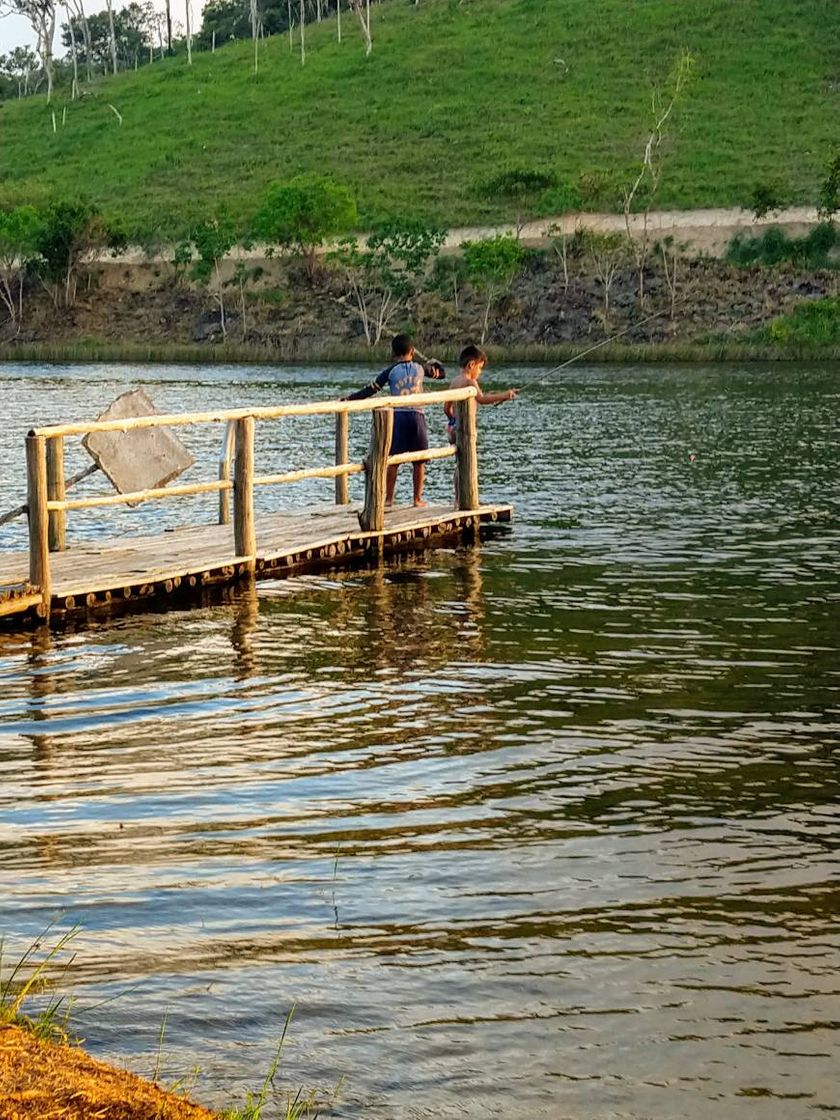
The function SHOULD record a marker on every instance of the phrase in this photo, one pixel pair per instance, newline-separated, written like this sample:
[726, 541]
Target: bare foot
[389, 505]
[419, 503]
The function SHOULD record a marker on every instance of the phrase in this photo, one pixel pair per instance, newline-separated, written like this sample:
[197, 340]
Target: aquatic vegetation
[32, 973]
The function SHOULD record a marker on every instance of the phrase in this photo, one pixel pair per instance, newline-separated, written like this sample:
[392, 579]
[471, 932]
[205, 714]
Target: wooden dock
[53, 581]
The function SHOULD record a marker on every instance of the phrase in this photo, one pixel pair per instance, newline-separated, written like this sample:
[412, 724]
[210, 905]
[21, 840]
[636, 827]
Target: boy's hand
[435, 370]
[512, 394]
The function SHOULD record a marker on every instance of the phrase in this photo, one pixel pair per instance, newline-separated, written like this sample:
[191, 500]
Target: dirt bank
[279, 315]
[46, 1081]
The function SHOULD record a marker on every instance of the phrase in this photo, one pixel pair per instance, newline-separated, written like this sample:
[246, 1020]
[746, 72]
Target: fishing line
[603, 342]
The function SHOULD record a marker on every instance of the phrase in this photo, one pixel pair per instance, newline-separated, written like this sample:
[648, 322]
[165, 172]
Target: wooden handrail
[137, 496]
[321, 408]
[341, 469]
[420, 456]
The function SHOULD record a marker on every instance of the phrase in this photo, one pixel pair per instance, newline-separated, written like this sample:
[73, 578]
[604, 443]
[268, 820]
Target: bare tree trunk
[74, 89]
[189, 32]
[289, 17]
[338, 18]
[302, 32]
[168, 27]
[362, 10]
[255, 29]
[112, 40]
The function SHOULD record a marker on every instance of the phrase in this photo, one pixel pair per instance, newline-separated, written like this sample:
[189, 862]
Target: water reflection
[554, 815]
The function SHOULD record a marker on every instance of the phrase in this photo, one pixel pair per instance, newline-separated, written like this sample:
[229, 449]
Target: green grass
[30, 974]
[814, 322]
[761, 348]
[451, 93]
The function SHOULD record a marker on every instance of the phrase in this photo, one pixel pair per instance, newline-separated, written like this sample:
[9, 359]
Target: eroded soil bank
[277, 313]
[42, 1080]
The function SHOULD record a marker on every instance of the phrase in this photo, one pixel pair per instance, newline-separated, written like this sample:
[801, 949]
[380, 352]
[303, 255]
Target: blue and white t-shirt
[405, 379]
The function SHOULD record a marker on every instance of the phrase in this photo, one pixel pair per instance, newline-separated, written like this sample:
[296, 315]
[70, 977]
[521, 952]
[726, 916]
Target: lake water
[546, 827]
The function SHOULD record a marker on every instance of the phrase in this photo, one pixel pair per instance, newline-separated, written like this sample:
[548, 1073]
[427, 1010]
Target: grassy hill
[451, 93]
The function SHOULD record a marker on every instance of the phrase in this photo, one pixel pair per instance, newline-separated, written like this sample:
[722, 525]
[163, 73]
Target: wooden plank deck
[94, 574]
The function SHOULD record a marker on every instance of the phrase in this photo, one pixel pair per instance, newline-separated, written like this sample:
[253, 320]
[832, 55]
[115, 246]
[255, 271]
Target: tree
[19, 228]
[133, 37]
[766, 198]
[645, 186]
[520, 188]
[607, 252]
[361, 9]
[383, 273]
[491, 267]
[41, 15]
[21, 67]
[70, 235]
[297, 217]
[828, 202]
[213, 237]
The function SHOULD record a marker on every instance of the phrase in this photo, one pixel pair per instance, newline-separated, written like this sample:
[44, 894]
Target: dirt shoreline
[42, 1080]
[695, 308]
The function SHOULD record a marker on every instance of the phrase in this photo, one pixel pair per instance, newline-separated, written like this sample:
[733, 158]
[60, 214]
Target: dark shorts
[409, 432]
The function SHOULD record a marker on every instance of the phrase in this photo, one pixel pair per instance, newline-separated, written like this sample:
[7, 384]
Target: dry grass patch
[41, 1080]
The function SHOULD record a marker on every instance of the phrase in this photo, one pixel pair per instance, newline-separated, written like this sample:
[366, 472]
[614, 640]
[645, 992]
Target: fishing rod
[603, 342]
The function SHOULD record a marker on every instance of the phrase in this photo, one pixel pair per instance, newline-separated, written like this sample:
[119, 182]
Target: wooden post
[466, 444]
[36, 497]
[56, 493]
[342, 456]
[244, 529]
[372, 517]
[224, 471]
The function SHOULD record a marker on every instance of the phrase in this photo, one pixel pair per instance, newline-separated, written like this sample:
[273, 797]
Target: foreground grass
[45, 1076]
[451, 93]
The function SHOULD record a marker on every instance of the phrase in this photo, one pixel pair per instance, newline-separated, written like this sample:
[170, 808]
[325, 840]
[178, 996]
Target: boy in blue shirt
[404, 377]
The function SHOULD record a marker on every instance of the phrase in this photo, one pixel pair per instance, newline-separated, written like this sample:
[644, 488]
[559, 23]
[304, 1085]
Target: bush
[774, 247]
[491, 267]
[520, 187]
[70, 235]
[766, 198]
[814, 322]
[301, 215]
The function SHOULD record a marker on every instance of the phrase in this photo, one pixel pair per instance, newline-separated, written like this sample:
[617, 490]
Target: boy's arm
[379, 382]
[496, 398]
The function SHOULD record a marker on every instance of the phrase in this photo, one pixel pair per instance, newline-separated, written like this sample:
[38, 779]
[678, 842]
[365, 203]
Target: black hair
[469, 354]
[401, 345]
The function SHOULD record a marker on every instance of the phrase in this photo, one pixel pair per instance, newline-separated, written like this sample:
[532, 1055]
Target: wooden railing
[48, 504]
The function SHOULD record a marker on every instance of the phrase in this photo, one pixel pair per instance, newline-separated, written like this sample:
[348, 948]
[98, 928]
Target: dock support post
[36, 497]
[224, 471]
[244, 528]
[466, 446]
[342, 456]
[56, 493]
[372, 517]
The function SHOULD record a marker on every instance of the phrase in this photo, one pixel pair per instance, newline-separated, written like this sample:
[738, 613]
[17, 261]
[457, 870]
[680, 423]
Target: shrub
[491, 267]
[828, 202]
[774, 247]
[815, 322]
[301, 215]
[766, 198]
[520, 187]
[381, 275]
[70, 235]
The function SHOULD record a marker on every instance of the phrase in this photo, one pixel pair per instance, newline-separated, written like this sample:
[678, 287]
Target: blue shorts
[409, 431]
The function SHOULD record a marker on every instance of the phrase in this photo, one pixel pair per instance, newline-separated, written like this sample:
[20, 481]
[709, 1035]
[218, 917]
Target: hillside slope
[451, 93]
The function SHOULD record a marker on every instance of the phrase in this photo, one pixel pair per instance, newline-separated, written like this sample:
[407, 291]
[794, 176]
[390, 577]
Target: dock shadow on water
[541, 827]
